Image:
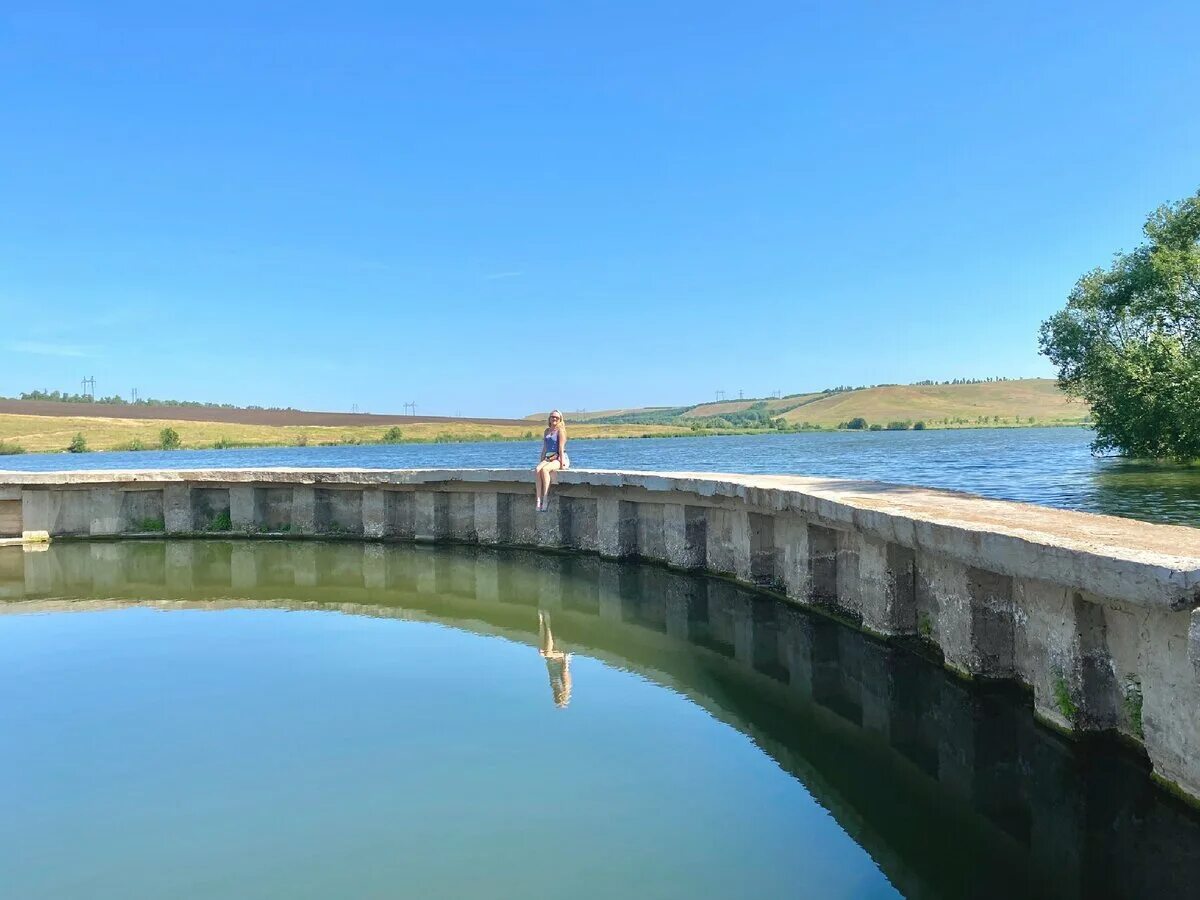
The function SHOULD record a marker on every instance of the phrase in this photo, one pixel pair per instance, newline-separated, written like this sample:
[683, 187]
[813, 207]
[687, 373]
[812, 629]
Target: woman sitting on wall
[553, 458]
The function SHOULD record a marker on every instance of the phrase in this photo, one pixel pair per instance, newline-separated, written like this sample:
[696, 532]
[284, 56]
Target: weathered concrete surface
[1156, 563]
[1093, 613]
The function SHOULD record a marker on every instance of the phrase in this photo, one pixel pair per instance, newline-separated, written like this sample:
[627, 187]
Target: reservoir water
[335, 719]
[1051, 466]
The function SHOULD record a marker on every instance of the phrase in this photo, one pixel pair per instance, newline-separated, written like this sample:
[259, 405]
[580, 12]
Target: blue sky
[494, 208]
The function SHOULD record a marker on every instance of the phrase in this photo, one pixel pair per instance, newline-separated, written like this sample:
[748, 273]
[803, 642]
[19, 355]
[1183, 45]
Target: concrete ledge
[1163, 561]
[1092, 613]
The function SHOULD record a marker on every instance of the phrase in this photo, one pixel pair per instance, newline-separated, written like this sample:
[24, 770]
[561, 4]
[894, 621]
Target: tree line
[116, 400]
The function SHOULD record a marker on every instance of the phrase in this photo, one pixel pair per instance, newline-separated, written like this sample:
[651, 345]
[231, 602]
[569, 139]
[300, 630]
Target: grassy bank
[46, 434]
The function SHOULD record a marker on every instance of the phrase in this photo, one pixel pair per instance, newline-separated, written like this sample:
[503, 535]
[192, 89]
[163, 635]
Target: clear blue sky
[493, 208]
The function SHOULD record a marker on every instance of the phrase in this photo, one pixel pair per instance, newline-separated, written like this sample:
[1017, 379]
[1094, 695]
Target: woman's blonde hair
[561, 421]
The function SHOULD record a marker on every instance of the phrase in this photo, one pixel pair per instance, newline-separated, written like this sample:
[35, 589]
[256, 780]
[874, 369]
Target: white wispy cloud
[46, 348]
[496, 276]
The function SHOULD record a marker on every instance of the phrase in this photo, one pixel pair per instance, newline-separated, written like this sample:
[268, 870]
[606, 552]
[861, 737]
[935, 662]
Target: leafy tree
[918, 426]
[858, 423]
[393, 435]
[1128, 341]
[168, 438]
[78, 444]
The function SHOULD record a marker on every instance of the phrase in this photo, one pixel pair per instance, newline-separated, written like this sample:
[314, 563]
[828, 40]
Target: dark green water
[293, 720]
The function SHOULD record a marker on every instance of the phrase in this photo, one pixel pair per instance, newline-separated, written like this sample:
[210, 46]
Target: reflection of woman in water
[558, 663]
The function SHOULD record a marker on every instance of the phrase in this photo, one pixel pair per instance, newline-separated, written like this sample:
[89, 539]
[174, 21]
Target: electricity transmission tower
[410, 409]
[720, 396]
[89, 387]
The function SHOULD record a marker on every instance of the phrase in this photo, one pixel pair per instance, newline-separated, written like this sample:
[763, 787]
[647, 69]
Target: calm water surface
[1051, 466]
[282, 719]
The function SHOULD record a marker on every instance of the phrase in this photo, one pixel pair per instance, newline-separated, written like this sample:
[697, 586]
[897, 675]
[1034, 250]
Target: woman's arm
[562, 444]
[542, 452]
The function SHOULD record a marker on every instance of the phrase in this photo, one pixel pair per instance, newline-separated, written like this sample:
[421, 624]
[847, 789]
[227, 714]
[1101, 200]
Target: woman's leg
[543, 482]
[548, 470]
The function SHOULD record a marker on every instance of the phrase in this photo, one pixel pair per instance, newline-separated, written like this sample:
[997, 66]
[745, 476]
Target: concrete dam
[1096, 615]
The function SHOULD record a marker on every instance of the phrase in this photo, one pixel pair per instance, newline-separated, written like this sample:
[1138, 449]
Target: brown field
[220, 414]
[588, 415]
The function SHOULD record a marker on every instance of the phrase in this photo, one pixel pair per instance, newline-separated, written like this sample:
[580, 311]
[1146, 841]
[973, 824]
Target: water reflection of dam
[953, 790]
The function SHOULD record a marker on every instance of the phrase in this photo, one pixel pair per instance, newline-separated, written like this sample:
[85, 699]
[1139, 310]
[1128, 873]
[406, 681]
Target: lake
[269, 719]
[1051, 466]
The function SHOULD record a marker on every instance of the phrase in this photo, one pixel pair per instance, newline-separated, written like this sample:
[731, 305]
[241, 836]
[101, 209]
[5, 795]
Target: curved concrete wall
[1096, 614]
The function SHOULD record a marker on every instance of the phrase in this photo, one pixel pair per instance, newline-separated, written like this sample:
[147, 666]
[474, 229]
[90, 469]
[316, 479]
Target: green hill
[1021, 401]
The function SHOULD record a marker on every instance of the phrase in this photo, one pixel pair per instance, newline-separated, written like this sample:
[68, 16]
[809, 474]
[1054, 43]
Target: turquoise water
[1051, 466]
[284, 719]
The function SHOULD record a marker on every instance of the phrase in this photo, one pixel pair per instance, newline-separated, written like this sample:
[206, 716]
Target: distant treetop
[1128, 341]
[114, 400]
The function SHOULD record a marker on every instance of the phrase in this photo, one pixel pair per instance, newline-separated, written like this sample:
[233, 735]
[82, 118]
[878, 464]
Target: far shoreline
[528, 437]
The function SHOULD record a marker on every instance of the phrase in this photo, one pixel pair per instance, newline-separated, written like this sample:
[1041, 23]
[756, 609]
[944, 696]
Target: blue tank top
[551, 442]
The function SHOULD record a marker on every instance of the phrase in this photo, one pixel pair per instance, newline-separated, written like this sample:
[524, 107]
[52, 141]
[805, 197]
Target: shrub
[168, 439]
[1064, 698]
[875, 428]
[918, 426]
[7, 449]
[1133, 706]
[899, 426]
[78, 444]
[925, 626]
[393, 435]
[302, 440]
[858, 423]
